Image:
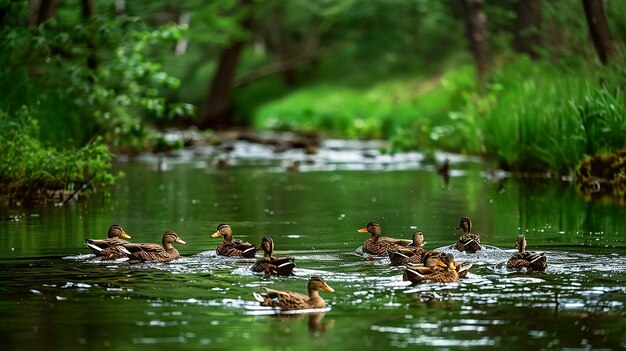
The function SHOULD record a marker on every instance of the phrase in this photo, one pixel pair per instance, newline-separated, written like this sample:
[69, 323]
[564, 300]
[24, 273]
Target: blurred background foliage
[533, 94]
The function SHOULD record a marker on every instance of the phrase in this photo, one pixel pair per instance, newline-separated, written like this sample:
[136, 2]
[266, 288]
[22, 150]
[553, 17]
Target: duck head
[465, 225]
[267, 245]
[318, 283]
[115, 231]
[223, 230]
[449, 262]
[372, 228]
[171, 237]
[418, 239]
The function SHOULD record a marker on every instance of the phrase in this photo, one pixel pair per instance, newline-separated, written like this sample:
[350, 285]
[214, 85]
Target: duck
[443, 272]
[531, 261]
[270, 264]
[289, 300]
[410, 254]
[232, 247]
[467, 242]
[149, 252]
[378, 245]
[110, 248]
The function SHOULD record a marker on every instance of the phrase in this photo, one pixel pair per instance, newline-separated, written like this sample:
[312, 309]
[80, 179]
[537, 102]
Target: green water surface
[55, 296]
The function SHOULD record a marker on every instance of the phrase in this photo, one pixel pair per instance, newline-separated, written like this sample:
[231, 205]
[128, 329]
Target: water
[54, 295]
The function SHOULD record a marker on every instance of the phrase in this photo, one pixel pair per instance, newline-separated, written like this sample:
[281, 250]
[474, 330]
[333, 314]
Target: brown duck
[531, 261]
[445, 271]
[432, 259]
[148, 252]
[270, 264]
[232, 247]
[110, 248]
[467, 242]
[410, 254]
[378, 245]
[288, 300]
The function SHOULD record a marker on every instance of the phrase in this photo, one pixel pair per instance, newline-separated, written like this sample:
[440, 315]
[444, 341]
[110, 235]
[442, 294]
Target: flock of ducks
[419, 264]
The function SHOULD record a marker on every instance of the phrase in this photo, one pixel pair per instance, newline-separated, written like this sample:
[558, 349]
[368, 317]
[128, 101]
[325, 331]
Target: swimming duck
[232, 247]
[531, 261]
[111, 248]
[148, 252]
[288, 300]
[410, 254]
[272, 265]
[467, 242]
[431, 259]
[443, 272]
[378, 245]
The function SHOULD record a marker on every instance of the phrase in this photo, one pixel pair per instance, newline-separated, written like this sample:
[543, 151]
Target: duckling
[272, 265]
[111, 248]
[288, 300]
[149, 252]
[378, 245]
[531, 261]
[467, 242]
[232, 247]
[410, 254]
[443, 272]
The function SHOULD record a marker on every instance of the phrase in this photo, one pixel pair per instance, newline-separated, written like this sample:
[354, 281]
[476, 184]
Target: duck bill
[124, 235]
[453, 266]
[362, 230]
[216, 234]
[326, 287]
[441, 263]
[180, 241]
[458, 228]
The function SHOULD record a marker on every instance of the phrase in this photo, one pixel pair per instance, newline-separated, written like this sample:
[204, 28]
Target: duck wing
[284, 299]
[397, 242]
[283, 265]
[469, 243]
[108, 248]
[235, 249]
[150, 252]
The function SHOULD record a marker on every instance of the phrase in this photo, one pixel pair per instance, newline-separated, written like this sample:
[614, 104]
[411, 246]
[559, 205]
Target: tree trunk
[40, 11]
[216, 111]
[478, 35]
[88, 11]
[527, 27]
[599, 29]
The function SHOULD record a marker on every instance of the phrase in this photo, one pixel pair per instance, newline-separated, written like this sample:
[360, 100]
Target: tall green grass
[547, 119]
[532, 116]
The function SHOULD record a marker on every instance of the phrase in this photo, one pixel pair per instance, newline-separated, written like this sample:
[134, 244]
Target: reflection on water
[56, 296]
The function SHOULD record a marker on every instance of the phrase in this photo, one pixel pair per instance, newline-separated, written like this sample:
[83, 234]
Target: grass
[532, 116]
[33, 172]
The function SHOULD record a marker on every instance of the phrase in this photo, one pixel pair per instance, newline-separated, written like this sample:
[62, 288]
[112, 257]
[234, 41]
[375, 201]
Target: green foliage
[29, 170]
[50, 72]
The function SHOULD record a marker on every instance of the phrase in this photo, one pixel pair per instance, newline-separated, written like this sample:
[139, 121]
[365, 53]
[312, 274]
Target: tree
[217, 108]
[40, 11]
[599, 29]
[478, 35]
[527, 27]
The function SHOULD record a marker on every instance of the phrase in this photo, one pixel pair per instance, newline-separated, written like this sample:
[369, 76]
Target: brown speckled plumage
[410, 254]
[288, 300]
[443, 272]
[149, 252]
[378, 245]
[270, 264]
[109, 248]
[467, 242]
[531, 261]
[232, 247]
